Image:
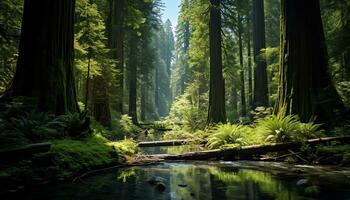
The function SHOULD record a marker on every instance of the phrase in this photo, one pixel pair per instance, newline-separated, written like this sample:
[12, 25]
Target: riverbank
[66, 159]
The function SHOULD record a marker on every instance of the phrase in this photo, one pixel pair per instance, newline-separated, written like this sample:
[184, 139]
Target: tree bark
[234, 100]
[240, 44]
[305, 87]
[247, 152]
[250, 72]
[132, 69]
[260, 74]
[216, 111]
[143, 102]
[116, 44]
[45, 63]
[100, 102]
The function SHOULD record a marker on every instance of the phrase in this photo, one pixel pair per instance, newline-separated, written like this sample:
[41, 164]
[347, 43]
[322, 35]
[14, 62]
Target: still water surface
[205, 181]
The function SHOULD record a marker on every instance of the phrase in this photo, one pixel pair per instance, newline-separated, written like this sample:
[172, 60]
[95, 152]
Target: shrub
[37, 126]
[228, 134]
[189, 109]
[127, 127]
[286, 129]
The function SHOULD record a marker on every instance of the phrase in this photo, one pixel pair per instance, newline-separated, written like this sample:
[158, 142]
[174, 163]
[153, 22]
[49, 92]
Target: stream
[204, 180]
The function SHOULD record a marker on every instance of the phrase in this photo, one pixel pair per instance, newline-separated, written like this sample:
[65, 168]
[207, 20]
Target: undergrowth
[270, 129]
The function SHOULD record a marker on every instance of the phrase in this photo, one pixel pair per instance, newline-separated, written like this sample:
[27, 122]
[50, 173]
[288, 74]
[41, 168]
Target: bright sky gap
[171, 11]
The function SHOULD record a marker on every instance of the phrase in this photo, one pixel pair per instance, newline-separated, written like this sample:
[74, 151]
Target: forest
[235, 99]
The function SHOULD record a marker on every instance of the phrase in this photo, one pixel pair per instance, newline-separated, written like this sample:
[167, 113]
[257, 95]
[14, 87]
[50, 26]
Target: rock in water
[155, 179]
[312, 190]
[303, 182]
[160, 187]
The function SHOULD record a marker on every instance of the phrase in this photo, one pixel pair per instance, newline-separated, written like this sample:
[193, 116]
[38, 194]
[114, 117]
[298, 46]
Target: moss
[67, 159]
[72, 156]
[334, 154]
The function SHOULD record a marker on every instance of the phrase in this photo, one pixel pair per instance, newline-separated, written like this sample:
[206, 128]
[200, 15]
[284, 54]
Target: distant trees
[10, 30]
[305, 87]
[136, 64]
[91, 52]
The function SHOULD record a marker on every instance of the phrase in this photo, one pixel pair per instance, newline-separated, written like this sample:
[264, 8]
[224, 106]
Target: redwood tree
[305, 87]
[260, 74]
[44, 67]
[115, 27]
[216, 111]
[132, 75]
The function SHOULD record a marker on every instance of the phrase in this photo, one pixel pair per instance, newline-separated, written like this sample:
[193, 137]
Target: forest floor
[65, 160]
[69, 158]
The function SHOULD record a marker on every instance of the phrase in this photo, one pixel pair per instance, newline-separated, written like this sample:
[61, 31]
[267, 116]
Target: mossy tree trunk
[305, 87]
[250, 71]
[240, 45]
[216, 110]
[116, 44]
[143, 102]
[45, 63]
[132, 76]
[100, 101]
[260, 74]
[156, 90]
[234, 101]
[186, 47]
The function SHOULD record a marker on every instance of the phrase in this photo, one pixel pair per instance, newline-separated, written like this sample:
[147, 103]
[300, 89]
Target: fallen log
[24, 151]
[247, 152]
[163, 129]
[164, 143]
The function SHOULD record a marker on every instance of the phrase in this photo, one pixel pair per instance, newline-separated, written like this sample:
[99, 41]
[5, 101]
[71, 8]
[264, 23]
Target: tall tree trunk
[143, 102]
[260, 74]
[156, 90]
[240, 44]
[305, 87]
[100, 101]
[116, 44]
[187, 72]
[45, 63]
[234, 101]
[132, 69]
[216, 110]
[250, 72]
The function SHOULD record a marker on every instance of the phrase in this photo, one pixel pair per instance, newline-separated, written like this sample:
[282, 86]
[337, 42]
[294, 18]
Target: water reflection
[170, 149]
[202, 181]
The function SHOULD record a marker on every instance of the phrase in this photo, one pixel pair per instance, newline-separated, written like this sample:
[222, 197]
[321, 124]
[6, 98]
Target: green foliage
[190, 109]
[287, 129]
[30, 127]
[126, 147]
[127, 127]
[71, 156]
[333, 154]
[68, 158]
[269, 129]
[228, 134]
[10, 25]
[261, 112]
[278, 129]
[37, 126]
[90, 44]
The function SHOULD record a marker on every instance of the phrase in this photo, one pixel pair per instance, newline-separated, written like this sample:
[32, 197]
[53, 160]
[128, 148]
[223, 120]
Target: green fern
[278, 129]
[286, 129]
[225, 134]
